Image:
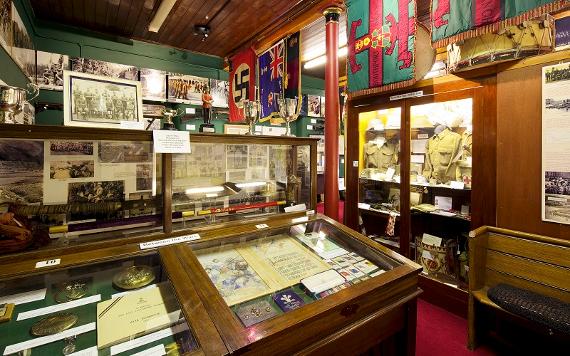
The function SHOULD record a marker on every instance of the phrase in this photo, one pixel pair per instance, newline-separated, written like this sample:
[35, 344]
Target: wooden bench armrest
[481, 296]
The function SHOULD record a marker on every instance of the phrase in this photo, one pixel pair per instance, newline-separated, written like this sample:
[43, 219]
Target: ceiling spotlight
[202, 30]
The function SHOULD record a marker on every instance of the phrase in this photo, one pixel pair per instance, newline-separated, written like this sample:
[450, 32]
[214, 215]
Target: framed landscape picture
[95, 101]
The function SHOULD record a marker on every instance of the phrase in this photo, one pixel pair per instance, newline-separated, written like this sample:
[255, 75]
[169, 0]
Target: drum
[514, 42]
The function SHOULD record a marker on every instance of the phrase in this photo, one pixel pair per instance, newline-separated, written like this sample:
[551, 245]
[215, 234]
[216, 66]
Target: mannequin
[442, 153]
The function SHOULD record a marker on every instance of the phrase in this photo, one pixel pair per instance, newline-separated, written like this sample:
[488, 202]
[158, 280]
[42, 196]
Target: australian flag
[271, 69]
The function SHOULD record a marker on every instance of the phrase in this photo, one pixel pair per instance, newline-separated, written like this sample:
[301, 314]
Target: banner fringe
[382, 89]
[494, 27]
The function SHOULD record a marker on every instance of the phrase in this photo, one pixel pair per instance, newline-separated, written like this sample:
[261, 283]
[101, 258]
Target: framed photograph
[49, 70]
[23, 48]
[6, 25]
[314, 102]
[220, 90]
[96, 101]
[186, 88]
[106, 69]
[153, 83]
[151, 110]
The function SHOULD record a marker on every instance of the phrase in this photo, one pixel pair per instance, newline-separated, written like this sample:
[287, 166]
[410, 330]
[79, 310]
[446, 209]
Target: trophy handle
[33, 91]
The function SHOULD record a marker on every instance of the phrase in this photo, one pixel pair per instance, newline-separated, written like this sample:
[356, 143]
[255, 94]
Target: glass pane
[440, 175]
[223, 182]
[379, 183]
[118, 308]
[60, 192]
[270, 273]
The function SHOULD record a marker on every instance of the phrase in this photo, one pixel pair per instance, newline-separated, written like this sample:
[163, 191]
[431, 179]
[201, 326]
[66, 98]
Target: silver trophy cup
[251, 114]
[288, 111]
[12, 100]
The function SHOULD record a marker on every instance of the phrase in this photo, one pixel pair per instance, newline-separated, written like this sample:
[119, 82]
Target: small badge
[288, 300]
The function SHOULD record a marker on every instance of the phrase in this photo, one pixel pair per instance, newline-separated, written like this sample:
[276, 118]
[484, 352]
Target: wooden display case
[410, 222]
[103, 187]
[341, 321]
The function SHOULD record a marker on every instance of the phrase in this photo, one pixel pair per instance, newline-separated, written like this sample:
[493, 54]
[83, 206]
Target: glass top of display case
[267, 274]
[112, 308]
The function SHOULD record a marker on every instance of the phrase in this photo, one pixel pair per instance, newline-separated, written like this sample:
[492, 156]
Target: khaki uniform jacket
[442, 153]
[382, 157]
[467, 145]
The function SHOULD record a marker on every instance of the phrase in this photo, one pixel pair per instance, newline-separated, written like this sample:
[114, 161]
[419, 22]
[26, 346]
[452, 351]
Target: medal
[71, 291]
[54, 324]
[134, 277]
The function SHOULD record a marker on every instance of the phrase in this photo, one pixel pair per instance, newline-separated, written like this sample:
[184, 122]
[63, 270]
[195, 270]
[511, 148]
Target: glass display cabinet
[379, 174]
[61, 187]
[305, 284]
[441, 180]
[118, 307]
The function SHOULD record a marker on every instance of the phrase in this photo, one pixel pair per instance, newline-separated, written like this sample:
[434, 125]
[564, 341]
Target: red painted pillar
[332, 113]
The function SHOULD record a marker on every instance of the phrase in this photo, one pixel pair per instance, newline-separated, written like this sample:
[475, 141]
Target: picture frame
[95, 101]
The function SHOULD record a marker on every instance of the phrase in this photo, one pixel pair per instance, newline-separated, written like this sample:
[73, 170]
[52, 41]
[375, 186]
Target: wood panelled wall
[519, 153]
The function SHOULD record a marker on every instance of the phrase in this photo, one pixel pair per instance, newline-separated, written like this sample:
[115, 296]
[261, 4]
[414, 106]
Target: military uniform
[442, 153]
[380, 157]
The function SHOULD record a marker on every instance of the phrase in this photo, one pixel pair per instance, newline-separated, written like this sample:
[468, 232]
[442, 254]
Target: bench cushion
[548, 311]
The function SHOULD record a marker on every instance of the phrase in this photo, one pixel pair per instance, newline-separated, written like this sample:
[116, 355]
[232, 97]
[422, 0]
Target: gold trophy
[251, 113]
[288, 111]
[168, 115]
[12, 100]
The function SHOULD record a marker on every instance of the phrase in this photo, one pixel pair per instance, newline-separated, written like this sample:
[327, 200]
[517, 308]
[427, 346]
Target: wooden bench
[536, 263]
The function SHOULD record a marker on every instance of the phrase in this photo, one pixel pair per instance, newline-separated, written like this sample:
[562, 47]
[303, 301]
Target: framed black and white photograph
[6, 25]
[106, 69]
[220, 91]
[49, 70]
[22, 46]
[97, 101]
[153, 84]
[186, 89]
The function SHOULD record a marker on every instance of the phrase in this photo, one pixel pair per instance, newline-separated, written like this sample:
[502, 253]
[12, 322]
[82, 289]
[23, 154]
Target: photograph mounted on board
[153, 84]
[106, 69]
[125, 152]
[6, 25]
[21, 171]
[49, 70]
[23, 48]
[186, 89]
[71, 169]
[220, 90]
[71, 148]
[314, 103]
[96, 192]
[96, 101]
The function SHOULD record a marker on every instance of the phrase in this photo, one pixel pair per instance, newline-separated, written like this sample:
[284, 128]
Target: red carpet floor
[442, 333]
[439, 332]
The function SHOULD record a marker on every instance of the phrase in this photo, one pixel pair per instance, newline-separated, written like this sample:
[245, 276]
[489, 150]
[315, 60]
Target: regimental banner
[452, 21]
[293, 78]
[242, 82]
[381, 37]
[271, 70]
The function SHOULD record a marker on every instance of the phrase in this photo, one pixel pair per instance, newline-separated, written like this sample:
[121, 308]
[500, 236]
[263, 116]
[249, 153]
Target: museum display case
[441, 163]
[292, 284]
[66, 186]
[307, 284]
[447, 172]
[117, 307]
[379, 174]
